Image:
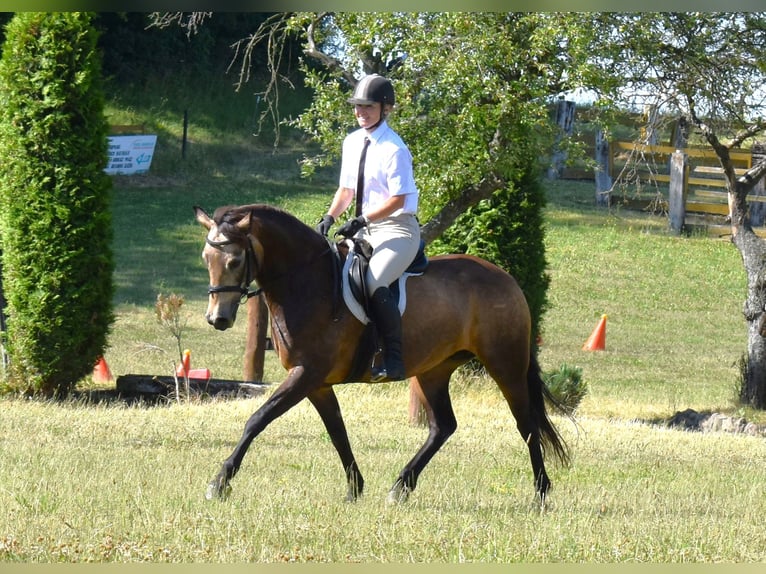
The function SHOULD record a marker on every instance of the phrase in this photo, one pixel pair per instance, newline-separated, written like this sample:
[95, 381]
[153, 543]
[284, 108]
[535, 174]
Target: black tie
[360, 178]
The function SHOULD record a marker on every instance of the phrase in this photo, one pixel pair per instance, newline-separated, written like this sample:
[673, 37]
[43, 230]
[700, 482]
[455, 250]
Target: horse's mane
[226, 218]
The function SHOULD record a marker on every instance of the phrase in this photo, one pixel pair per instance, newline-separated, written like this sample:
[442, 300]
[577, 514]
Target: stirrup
[380, 373]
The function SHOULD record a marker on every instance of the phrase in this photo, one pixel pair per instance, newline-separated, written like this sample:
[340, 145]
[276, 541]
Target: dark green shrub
[566, 386]
[55, 219]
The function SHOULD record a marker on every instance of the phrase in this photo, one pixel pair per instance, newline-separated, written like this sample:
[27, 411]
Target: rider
[386, 211]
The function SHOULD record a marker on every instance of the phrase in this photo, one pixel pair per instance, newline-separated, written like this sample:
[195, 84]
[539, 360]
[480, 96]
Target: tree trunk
[470, 196]
[753, 251]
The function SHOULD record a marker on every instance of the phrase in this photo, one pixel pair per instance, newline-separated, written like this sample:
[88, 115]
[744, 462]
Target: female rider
[376, 169]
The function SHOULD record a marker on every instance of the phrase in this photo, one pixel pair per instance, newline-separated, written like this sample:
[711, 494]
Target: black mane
[227, 217]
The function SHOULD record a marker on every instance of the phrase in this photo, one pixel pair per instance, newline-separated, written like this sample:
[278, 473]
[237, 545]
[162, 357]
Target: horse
[461, 308]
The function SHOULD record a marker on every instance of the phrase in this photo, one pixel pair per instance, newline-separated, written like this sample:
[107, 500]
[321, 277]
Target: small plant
[167, 309]
[566, 386]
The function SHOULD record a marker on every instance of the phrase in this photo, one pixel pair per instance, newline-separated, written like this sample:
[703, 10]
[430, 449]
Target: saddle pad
[355, 306]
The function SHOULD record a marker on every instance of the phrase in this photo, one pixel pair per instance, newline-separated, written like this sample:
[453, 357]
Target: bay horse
[462, 307]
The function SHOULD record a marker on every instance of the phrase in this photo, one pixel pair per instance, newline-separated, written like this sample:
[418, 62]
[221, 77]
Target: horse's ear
[244, 224]
[203, 217]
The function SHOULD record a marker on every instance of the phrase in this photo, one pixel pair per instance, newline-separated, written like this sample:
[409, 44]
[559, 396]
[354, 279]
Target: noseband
[244, 291]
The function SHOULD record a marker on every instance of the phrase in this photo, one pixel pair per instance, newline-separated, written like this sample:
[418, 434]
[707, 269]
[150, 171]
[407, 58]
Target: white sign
[130, 154]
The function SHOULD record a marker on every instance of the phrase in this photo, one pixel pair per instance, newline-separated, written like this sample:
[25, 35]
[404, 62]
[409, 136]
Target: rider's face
[367, 115]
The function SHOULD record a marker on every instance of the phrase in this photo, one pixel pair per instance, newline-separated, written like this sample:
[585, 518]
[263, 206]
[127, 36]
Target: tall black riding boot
[385, 314]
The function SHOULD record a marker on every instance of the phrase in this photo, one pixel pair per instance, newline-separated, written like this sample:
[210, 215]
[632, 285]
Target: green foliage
[473, 94]
[54, 201]
[566, 386]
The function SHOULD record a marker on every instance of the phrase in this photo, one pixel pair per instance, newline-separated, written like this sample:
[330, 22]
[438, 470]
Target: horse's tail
[550, 438]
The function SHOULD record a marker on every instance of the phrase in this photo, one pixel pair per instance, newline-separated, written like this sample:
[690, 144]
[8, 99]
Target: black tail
[538, 394]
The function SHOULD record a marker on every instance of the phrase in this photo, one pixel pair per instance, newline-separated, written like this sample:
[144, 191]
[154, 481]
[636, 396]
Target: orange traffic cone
[597, 339]
[185, 365]
[184, 368]
[101, 372]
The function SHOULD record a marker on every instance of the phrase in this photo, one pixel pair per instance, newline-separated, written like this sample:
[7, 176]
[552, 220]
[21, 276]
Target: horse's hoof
[218, 490]
[398, 494]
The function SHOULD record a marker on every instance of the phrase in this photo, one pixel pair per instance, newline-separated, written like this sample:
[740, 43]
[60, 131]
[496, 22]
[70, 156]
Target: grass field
[122, 483]
[112, 482]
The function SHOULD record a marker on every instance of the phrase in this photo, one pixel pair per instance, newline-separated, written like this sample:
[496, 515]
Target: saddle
[353, 284]
[352, 258]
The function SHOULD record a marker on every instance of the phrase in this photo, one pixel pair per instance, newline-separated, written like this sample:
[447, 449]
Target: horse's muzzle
[221, 315]
[221, 323]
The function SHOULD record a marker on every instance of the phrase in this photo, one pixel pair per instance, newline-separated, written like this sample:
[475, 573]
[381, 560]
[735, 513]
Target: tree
[468, 80]
[710, 69]
[473, 98]
[55, 219]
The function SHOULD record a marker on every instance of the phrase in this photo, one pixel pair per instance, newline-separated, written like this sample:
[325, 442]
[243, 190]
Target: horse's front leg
[326, 404]
[293, 389]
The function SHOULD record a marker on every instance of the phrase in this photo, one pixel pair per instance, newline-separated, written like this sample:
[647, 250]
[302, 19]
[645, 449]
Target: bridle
[243, 288]
[251, 261]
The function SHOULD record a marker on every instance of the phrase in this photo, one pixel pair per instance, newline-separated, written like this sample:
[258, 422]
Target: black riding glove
[350, 228]
[325, 224]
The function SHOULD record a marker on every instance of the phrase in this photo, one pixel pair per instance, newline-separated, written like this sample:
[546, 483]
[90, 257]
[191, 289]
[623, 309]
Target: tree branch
[191, 22]
[752, 176]
[468, 197]
[748, 132]
[332, 64]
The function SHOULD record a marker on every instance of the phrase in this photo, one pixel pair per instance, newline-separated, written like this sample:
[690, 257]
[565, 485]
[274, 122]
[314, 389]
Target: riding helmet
[373, 89]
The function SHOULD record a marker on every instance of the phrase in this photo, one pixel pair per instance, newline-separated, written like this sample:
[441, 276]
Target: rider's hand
[350, 228]
[324, 224]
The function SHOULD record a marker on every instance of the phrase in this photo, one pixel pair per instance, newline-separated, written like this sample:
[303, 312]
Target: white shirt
[387, 168]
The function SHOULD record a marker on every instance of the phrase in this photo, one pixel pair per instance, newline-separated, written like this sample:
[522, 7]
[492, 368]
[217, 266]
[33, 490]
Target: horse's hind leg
[326, 404]
[511, 378]
[433, 388]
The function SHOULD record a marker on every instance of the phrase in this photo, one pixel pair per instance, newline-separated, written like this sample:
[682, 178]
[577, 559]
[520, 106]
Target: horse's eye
[233, 263]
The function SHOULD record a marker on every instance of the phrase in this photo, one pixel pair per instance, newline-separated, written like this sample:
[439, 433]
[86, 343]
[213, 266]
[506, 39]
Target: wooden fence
[646, 168]
[649, 168]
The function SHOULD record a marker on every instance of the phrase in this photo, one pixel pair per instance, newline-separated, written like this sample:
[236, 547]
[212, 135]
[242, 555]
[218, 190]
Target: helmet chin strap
[372, 128]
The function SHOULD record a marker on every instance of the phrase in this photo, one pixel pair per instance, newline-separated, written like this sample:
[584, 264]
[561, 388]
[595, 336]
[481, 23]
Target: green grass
[125, 484]
[674, 330]
[109, 482]
[112, 482]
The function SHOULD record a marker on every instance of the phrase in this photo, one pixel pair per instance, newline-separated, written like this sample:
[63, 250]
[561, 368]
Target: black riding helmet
[373, 89]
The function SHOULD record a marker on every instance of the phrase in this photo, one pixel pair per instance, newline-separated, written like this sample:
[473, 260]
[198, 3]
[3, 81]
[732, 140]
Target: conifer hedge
[55, 215]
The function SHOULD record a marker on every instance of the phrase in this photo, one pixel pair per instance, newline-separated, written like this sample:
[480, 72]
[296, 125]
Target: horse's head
[232, 258]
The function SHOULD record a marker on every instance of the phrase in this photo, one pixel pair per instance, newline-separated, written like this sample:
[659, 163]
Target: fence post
[185, 134]
[757, 209]
[680, 136]
[255, 343]
[679, 172]
[603, 174]
[649, 131]
[565, 111]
